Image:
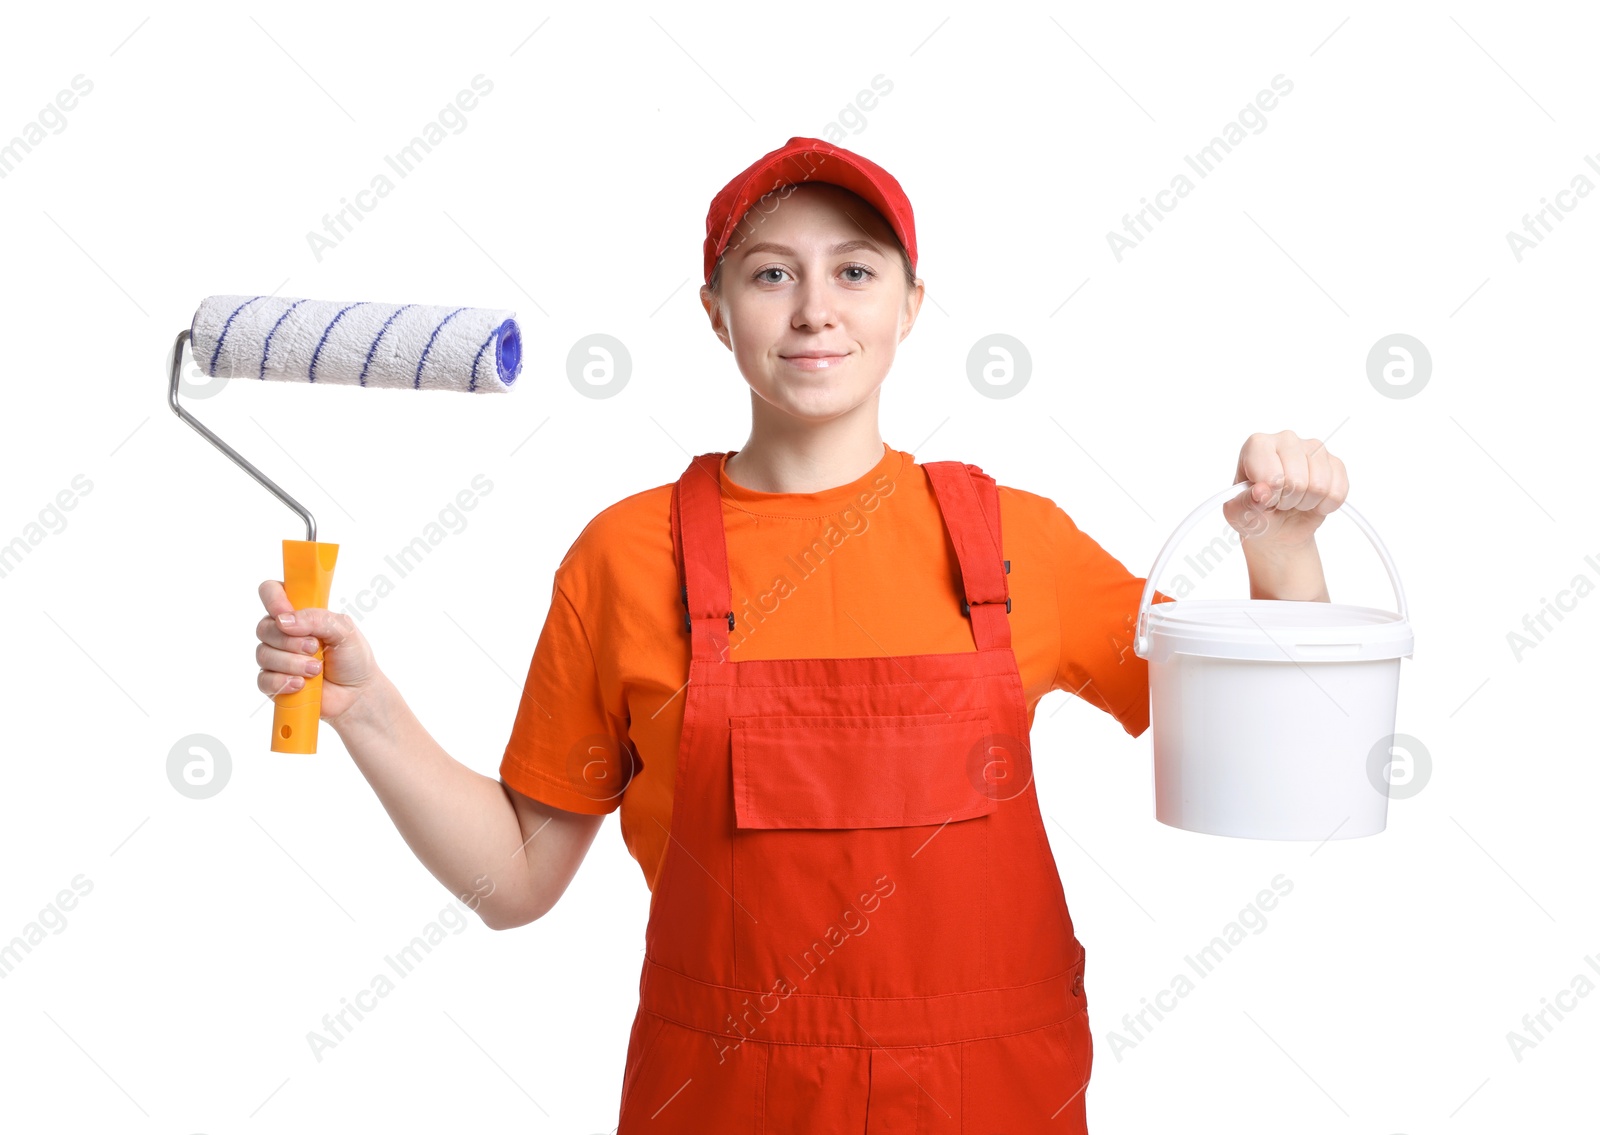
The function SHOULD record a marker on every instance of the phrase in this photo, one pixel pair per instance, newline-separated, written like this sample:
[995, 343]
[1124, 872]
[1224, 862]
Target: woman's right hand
[285, 653]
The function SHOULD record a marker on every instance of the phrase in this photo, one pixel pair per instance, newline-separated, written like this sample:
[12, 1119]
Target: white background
[178, 995]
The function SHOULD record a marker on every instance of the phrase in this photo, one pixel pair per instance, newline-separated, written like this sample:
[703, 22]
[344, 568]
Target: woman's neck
[793, 457]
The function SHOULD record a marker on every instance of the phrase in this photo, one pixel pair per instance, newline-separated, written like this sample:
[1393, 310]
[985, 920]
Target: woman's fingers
[331, 628]
[272, 683]
[271, 633]
[302, 631]
[289, 640]
[286, 662]
[273, 597]
[285, 653]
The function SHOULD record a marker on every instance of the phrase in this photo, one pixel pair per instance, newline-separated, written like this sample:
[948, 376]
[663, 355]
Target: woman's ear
[913, 305]
[716, 313]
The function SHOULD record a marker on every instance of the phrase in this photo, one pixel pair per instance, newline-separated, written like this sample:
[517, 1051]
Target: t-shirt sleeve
[568, 747]
[1099, 606]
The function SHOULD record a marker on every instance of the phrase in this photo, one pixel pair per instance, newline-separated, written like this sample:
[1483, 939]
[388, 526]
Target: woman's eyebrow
[785, 250]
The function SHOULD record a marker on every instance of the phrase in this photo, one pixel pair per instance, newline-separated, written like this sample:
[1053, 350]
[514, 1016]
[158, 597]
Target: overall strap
[970, 502]
[700, 547]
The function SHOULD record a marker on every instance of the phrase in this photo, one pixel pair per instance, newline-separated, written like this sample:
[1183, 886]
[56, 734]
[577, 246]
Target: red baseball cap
[796, 162]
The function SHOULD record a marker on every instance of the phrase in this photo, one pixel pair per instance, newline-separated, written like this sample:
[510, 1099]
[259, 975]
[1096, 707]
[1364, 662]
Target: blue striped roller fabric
[365, 343]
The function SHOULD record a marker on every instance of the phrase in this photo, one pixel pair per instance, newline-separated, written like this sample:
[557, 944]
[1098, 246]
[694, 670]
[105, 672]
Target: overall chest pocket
[877, 771]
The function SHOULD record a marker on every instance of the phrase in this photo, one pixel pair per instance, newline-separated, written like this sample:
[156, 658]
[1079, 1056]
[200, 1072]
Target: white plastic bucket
[1272, 719]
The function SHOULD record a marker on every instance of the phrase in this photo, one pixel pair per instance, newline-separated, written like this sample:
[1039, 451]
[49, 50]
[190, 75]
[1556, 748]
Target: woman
[805, 673]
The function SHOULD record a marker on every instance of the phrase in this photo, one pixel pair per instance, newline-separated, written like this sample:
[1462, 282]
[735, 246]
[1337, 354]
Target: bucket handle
[1141, 642]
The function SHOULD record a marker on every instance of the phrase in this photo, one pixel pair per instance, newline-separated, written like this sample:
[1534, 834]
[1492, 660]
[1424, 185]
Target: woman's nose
[814, 303]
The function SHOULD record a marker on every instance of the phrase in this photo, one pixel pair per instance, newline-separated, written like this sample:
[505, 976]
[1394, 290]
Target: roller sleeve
[401, 345]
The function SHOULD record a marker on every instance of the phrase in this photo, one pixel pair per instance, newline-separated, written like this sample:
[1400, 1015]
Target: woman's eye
[765, 275]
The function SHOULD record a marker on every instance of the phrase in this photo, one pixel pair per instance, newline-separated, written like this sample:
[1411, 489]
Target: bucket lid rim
[1193, 612]
[1278, 630]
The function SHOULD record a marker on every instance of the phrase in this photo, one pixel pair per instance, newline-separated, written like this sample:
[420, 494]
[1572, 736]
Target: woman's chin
[813, 405]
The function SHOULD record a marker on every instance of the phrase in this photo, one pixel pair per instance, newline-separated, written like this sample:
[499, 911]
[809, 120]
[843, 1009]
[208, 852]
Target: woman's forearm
[458, 822]
[1294, 574]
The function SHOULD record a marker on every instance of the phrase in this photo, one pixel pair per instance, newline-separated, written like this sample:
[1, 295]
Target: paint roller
[402, 346]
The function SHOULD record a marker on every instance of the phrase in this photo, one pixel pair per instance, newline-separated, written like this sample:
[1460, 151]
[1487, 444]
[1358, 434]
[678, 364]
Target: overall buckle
[966, 608]
[688, 624]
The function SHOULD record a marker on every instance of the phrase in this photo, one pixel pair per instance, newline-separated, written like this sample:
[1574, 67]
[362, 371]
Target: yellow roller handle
[307, 579]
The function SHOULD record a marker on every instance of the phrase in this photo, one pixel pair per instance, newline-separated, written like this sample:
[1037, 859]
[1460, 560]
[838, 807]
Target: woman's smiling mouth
[814, 360]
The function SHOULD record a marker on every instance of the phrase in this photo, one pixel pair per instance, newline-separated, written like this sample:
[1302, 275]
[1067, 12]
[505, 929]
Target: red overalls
[858, 926]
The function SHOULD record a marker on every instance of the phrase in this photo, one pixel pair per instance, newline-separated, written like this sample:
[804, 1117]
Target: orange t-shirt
[861, 569]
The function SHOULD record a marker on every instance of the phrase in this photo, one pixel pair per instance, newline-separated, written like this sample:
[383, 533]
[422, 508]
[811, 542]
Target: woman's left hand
[1294, 483]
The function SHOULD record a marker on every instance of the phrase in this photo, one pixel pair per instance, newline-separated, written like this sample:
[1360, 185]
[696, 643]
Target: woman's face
[811, 273]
